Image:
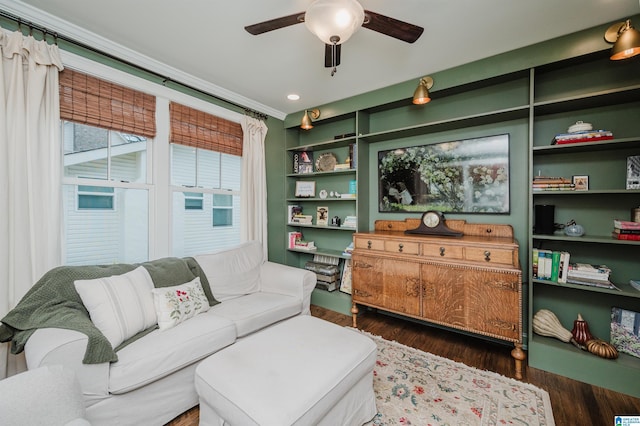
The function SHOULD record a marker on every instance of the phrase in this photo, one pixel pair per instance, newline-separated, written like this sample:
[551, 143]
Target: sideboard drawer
[369, 244]
[403, 247]
[442, 251]
[489, 255]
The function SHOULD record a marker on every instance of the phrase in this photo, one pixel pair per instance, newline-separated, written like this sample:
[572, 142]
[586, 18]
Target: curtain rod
[31, 25]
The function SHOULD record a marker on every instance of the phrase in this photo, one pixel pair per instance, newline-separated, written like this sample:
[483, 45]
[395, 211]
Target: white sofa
[153, 380]
[45, 396]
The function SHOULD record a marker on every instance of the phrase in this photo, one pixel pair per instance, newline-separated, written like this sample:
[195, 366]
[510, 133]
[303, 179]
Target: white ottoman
[303, 371]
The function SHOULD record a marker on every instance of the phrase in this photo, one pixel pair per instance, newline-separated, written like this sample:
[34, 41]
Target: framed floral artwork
[464, 176]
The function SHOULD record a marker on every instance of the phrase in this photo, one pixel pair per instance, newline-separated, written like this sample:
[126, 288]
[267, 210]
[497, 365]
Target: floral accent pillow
[179, 303]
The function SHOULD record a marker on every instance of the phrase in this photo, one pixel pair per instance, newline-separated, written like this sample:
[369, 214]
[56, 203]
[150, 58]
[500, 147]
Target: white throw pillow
[233, 272]
[179, 303]
[120, 306]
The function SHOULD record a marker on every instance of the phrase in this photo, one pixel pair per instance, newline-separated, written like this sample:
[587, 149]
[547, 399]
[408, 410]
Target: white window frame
[158, 149]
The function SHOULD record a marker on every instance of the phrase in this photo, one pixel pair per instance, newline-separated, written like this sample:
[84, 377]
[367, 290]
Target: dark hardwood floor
[574, 403]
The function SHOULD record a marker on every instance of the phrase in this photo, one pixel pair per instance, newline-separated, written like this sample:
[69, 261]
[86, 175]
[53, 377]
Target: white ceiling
[203, 43]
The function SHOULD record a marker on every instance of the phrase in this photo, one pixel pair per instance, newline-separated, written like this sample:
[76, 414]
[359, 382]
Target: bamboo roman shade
[202, 130]
[92, 101]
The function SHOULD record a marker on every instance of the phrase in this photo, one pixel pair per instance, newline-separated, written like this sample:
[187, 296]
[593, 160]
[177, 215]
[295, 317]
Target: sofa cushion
[120, 306]
[258, 310]
[179, 303]
[160, 353]
[234, 272]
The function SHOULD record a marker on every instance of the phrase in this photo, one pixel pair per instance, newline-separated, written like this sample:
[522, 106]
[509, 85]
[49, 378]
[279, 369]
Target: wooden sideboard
[471, 283]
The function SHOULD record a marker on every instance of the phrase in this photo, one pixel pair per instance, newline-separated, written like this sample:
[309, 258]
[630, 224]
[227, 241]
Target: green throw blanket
[54, 303]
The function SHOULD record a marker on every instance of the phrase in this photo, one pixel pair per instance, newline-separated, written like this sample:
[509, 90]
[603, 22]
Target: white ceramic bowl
[580, 126]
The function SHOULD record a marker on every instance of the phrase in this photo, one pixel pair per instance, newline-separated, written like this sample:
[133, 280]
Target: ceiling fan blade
[392, 27]
[328, 62]
[275, 24]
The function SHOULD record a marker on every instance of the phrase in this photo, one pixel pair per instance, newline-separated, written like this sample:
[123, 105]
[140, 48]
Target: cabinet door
[443, 295]
[390, 284]
[494, 303]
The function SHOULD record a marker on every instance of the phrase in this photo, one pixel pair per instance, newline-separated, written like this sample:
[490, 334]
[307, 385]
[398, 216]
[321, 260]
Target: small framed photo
[633, 172]
[322, 216]
[305, 189]
[581, 182]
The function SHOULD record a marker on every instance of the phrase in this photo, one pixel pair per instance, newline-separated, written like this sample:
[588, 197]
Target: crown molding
[74, 32]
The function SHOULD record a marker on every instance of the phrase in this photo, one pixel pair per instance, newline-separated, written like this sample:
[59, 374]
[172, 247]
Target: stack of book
[302, 219]
[296, 217]
[551, 183]
[296, 242]
[550, 265]
[585, 136]
[591, 275]
[350, 222]
[626, 230]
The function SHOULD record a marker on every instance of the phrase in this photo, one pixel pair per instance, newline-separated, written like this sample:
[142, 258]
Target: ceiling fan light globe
[334, 21]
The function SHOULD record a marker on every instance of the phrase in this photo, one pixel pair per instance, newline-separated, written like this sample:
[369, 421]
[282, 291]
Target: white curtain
[253, 187]
[30, 163]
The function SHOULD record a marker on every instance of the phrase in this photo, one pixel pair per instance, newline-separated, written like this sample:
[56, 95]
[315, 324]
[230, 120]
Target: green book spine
[555, 265]
[534, 263]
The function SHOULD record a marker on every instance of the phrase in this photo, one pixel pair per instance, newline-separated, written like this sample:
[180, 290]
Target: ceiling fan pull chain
[334, 60]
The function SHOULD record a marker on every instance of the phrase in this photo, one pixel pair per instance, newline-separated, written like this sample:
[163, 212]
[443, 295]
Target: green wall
[453, 89]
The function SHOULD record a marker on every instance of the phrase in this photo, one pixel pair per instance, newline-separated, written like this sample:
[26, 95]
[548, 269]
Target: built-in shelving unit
[329, 240]
[564, 93]
[532, 106]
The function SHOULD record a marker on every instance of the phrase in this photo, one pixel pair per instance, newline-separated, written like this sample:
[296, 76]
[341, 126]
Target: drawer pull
[369, 244]
[487, 255]
[441, 251]
[400, 247]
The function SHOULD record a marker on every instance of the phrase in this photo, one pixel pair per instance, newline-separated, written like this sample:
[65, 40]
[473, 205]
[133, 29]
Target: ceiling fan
[334, 21]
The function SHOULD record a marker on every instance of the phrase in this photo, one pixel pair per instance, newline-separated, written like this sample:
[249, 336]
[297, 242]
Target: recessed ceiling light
[293, 97]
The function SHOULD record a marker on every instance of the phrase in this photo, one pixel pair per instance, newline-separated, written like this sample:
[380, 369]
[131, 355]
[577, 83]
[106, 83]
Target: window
[106, 132]
[206, 160]
[222, 210]
[193, 201]
[95, 197]
[114, 210]
[105, 172]
[213, 181]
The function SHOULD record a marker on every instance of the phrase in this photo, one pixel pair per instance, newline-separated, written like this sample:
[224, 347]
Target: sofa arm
[46, 395]
[283, 279]
[56, 346]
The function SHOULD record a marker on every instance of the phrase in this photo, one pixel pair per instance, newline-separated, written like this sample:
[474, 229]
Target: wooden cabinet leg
[518, 354]
[354, 314]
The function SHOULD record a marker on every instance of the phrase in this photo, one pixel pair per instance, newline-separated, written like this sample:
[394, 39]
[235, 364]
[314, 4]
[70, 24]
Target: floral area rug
[417, 388]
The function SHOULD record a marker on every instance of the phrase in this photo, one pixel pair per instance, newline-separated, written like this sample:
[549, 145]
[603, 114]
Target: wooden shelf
[323, 252]
[552, 355]
[625, 289]
[596, 239]
[324, 145]
[607, 145]
[449, 124]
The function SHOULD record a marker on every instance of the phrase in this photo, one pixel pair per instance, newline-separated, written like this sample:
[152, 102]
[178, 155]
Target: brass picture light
[421, 95]
[625, 39]
[306, 120]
